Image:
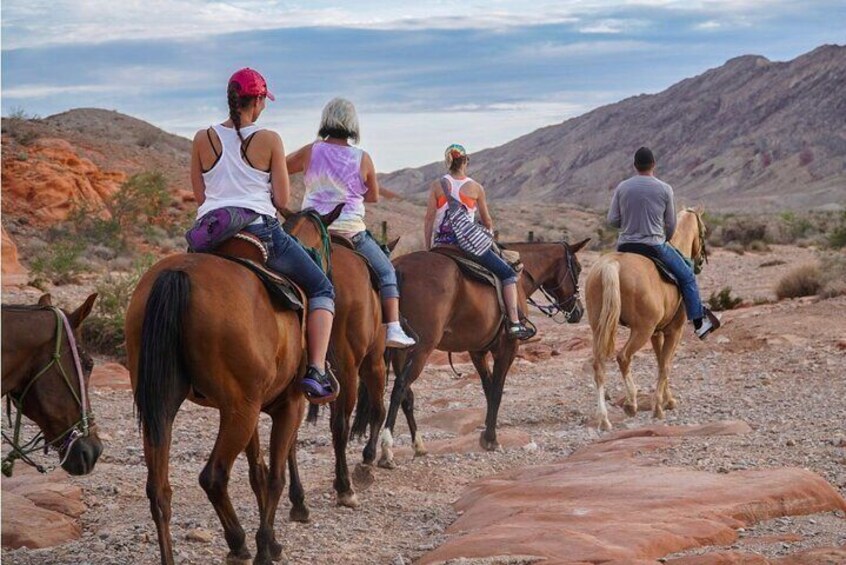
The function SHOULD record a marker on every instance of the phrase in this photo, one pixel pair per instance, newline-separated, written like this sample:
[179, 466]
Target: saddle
[473, 270]
[648, 252]
[347, 242]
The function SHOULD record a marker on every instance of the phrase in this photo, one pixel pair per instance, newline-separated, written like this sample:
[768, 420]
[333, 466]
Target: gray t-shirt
[643, 208]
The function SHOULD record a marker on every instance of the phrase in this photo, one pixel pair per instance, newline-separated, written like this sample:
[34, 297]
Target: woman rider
[238, 164]
[335, 172]
[438, 231]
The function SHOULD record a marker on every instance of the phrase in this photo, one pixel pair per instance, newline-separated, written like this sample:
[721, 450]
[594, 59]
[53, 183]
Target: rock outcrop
[13, 272]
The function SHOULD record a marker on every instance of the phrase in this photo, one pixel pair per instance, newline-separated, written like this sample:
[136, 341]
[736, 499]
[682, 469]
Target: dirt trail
[781, 368]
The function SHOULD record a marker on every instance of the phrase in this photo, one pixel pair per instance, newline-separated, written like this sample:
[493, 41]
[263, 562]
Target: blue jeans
[368, 247]
[287, 257]
[687, 280]
[498, 267]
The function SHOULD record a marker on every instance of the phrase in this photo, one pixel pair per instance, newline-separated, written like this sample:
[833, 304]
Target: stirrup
[520, 331]
[320, 389]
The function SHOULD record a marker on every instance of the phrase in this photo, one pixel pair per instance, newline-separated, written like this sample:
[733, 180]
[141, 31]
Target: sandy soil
[780, 367]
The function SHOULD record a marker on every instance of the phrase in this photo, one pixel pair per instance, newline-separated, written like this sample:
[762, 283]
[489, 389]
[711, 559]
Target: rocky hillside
[752, 135]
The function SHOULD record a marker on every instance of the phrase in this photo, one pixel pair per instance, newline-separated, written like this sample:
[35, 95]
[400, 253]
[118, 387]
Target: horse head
[45, 384]
[556, 275]
[310, 228]
[566, 280]
[699, 250]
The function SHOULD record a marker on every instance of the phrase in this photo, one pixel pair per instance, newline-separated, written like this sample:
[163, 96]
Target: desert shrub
[148, 138]
[758, 245]
[723, 300]
[771, 263]
[837, 235]
[60, 262]
[833, 268]
[804, 280]
[103, 330]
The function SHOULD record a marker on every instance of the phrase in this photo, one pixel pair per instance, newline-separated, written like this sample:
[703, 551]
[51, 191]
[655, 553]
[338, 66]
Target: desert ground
[779, 367]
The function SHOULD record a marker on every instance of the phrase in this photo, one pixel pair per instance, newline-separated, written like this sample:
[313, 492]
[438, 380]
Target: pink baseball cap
[251, 83]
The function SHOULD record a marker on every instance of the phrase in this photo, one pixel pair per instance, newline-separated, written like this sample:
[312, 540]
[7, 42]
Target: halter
[82, 427]
[568, 308]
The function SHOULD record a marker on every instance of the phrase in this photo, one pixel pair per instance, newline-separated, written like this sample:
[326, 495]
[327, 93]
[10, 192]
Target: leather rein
[568, 307]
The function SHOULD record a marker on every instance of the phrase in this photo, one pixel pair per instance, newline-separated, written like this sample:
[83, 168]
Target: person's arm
[431, 210]
[482, 205]
[670, 214]
[615, 218]
[368, 173]
[198, 185]
[280, 184]
[297, 161]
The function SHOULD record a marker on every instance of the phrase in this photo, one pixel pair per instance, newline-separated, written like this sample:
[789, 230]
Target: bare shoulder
[474, 189]
[200, 136]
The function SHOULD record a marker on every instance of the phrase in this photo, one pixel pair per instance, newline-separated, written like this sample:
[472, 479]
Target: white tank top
[442, 232]
[232, 181]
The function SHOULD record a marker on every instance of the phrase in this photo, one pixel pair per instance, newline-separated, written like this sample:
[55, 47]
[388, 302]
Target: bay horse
[626, 288]
[451, 312]
[45, 376]
[357, 347]
[203, 328]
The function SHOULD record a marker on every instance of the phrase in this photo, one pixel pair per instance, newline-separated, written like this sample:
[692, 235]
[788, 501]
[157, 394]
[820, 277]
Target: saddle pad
[286, 293]
[341, 240]
[473, 270]
[647, 251]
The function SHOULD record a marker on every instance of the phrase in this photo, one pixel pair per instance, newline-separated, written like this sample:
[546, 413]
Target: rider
[472, 195]
[643, 207]
[236, 163]
[338, 173]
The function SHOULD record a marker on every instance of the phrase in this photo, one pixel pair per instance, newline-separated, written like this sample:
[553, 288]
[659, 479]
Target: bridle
[569, 306]
[64, 441]
[324, 254]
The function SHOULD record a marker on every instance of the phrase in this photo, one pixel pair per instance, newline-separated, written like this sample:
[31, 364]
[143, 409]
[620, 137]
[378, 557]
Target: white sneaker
[397, 338]
[710, 322]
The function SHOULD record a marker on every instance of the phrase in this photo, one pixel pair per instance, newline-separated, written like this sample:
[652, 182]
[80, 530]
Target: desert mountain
[750, 135]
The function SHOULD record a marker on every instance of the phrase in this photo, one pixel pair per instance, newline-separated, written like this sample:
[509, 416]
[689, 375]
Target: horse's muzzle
[577, 313]
[83, 455]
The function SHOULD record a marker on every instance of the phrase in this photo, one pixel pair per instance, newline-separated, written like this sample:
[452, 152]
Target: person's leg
[687, 281]
[506, 274]
[388, 288]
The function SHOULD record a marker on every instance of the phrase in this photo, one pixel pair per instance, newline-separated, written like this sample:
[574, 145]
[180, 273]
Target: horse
[203, 328]
[45, 375]
[625, 288]
[450, 312]
[357, 347]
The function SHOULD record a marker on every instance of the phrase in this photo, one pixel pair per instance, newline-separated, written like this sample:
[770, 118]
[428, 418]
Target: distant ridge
[749, 135]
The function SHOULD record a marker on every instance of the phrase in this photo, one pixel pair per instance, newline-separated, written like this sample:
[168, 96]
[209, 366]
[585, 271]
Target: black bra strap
[211, 142]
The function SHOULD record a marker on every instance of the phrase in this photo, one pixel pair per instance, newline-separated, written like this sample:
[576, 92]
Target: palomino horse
[625, 288]
[451, 312]
[357, 347]
[45, 376]
[204, 328]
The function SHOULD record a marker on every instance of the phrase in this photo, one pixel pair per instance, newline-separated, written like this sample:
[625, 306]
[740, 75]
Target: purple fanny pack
[217, 226]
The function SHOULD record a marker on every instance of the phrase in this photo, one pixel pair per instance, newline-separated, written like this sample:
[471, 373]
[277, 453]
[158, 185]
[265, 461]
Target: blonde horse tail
[609, 314]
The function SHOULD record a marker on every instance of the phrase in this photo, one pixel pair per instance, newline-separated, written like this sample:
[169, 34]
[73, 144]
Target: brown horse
[357, 348]
[625, 288]
[203, 328]
[45, 375]
[451, 312]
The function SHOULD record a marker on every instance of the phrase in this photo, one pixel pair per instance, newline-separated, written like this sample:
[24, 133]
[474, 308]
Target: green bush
[59, 262]
[723, 300]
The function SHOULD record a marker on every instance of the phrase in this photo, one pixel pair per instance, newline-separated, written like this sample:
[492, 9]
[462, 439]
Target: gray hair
[339, 119]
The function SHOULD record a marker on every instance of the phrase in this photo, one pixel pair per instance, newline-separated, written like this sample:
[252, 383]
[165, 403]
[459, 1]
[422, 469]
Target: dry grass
[805, 280]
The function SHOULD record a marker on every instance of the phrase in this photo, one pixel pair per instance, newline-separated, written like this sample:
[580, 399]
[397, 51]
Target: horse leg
[503, 357]
[287, 415]
[637, 339]
[408, 409]
[599, 378]
[374, 375]
[480, 361]
[159, 491]
[236, 429]
[408, 374]
[663, 396]
[341, 410]
[258, 481]
[296, 494]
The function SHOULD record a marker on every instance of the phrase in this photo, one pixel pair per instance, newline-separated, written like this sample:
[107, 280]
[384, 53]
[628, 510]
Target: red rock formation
[110, 375]
[13, 271]
[604, 504]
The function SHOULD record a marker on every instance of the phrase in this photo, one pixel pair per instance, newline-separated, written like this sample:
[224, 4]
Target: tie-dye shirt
[334, 177]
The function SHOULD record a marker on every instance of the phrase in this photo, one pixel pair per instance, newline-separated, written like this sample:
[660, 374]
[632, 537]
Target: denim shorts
[287, 257]
[367, 246]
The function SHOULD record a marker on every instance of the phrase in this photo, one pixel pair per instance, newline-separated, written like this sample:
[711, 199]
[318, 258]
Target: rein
[80, 429]
[551, 310]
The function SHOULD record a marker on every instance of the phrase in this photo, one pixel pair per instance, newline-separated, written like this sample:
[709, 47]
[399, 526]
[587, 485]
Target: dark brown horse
[203, 328]
[453, 313]
[357, 349]
[45, 375]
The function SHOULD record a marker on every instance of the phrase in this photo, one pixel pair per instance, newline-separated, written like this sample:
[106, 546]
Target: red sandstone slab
[460, 421]
[111, 376]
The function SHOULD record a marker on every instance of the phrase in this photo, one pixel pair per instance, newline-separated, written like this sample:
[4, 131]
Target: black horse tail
[163, 382]
[313, 413]
[363, 412]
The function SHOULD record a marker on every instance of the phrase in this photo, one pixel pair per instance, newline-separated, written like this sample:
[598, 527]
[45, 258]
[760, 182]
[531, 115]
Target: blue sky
[423, 74]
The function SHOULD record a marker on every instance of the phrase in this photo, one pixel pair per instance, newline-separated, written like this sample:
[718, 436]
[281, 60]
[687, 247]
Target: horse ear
[82, 312]
[45, 300]
[327, 219]
[393, 244]
[286, 213]
[576, 247]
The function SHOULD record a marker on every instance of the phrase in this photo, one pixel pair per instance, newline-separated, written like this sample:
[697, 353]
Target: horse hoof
[605, 425]
[489, 445]
[242, 557]
[299, 514]
[658, 414]
[387, 464]
[363, 476]
[671, 404]
[348, 499]
[630, 410]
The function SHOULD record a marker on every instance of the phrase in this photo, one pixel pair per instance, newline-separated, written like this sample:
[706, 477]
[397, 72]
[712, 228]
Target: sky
[422, 74]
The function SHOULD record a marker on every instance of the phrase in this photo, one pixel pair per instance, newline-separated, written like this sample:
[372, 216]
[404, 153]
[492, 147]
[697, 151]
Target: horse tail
[313, 413]
[163, 382]
[363, 412]
[609, 313]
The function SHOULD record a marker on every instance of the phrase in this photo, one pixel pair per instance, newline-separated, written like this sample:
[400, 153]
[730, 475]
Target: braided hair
[236, 104]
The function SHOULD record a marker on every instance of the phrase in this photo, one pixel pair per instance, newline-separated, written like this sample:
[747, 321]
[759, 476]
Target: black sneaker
[518, 330]
[318, 387]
